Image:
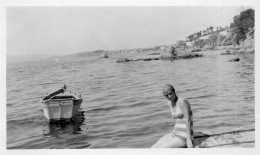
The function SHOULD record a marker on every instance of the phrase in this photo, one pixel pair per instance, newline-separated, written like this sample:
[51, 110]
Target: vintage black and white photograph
[107, 77]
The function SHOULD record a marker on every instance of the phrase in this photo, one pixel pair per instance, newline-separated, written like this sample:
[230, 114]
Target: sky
[66, 30]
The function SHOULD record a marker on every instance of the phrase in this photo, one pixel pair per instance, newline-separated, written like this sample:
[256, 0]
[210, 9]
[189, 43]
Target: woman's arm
[185, 106]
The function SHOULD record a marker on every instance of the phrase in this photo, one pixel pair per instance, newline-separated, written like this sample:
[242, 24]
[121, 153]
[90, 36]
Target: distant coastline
[14, 59]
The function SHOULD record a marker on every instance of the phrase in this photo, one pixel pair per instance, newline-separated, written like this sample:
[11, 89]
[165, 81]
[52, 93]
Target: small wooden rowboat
[62, 104]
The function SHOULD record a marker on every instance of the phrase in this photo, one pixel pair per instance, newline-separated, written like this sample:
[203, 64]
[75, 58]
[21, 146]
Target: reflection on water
[55, 129]
[67, 134]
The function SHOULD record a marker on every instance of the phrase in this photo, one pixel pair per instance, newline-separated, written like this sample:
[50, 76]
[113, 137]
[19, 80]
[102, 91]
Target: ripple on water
[123, 105]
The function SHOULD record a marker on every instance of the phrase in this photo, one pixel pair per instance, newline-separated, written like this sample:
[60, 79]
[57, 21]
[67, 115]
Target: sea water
[123, 106]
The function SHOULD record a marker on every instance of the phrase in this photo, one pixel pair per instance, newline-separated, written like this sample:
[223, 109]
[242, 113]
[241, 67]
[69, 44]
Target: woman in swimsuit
[182, 134]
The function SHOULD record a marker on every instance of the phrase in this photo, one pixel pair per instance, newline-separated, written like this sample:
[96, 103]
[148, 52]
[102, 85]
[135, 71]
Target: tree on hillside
[199, 43]
[190, 37]
[198, 34]
[213, 39]
[211, 29]
[237, 22]
[247, 19]
[242, 23]
[227, 40]
[204, 32]
[232, 25]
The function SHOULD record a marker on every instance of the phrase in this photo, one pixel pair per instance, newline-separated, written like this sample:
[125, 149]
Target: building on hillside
[225, 31]
[204, 37]
[181, 44]
[189, 43]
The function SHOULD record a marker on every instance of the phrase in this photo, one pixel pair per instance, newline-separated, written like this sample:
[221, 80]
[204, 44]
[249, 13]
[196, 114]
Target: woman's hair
[172, 88]
[169, 87]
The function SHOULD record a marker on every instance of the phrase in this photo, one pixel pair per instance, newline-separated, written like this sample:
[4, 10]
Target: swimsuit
[180, 129]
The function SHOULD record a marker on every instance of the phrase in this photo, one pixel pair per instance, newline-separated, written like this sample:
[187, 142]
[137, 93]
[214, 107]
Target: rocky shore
[167, 54]
[164, 52]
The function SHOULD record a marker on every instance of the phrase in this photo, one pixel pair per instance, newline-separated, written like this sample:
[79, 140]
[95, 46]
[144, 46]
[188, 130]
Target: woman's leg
[161, 141]
[168, 141]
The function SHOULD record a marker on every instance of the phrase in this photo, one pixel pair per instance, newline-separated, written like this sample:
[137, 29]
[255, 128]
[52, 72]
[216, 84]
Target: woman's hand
[189, 143]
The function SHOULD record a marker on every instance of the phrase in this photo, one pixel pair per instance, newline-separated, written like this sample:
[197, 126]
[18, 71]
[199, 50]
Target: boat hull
[61, 109]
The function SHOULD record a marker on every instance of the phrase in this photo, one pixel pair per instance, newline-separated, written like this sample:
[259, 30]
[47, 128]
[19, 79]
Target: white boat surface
[62, 104]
